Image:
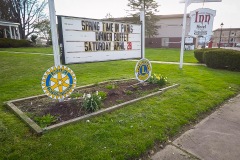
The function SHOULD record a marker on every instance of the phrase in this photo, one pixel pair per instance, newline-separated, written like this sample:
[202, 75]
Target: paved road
[217, 137]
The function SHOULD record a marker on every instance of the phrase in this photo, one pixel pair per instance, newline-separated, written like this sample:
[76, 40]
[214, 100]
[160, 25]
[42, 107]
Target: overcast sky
[227, 11]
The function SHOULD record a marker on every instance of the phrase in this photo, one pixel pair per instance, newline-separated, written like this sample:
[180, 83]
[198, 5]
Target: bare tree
[5, 10]
[43, 29]
[25, 12]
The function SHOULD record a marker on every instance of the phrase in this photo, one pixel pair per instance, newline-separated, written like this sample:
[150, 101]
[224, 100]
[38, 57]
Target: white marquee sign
[89, 40]
[201, 22]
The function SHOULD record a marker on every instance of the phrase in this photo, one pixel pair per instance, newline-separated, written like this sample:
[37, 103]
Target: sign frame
[201, 22]
[130, 46]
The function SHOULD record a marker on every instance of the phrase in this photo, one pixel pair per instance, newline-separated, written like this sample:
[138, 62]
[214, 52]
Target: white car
[238, 45]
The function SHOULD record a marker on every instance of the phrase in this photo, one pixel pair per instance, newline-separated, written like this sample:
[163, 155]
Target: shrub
[198, 53]
[157, 79]
[13, 43]
[223, 59]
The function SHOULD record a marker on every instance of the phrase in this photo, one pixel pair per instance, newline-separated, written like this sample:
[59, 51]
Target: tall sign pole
[142, 19]
[54, 32]
[187, 3]
[183, 33]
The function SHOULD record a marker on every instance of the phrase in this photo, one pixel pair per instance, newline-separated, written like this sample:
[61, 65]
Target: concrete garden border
[38, 130]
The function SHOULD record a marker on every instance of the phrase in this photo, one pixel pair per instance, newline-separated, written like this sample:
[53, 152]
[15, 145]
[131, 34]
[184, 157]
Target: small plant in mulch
[103, 95]
[76, 95]
[92, 102]
[111, 86]
[158, 79]
[45, 120]
[128, 92]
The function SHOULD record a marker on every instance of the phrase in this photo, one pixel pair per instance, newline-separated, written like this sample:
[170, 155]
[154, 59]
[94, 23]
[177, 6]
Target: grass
[47, 50]
[157, 54]
[169, 55]
[123, 134]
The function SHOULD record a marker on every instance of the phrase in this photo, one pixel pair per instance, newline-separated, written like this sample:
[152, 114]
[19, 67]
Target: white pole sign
[187, 3]
[201, 22]
[89, 40]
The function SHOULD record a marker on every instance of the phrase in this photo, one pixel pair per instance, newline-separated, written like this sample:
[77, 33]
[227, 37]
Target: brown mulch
[72, 107]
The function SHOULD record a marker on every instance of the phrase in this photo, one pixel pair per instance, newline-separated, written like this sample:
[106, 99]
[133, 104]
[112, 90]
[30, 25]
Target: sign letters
[201, 22]
[90, 40]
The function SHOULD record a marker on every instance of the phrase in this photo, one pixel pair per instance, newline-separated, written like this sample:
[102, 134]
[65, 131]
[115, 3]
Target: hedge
[222, 59]
[13, 43]
[198, 54]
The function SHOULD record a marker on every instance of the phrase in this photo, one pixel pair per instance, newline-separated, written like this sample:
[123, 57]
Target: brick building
[229, 37]
[169, 32]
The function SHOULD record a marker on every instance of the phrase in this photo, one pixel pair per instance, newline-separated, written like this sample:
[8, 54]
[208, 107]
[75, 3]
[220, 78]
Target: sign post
[54, 32]
[142, 19]
[187, 3]
[183, 32]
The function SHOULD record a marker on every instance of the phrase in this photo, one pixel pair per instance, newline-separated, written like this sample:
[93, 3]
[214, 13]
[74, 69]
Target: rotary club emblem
[58, 82]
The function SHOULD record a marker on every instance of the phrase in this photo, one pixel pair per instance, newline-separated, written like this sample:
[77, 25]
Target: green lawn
[47, 50]
[169, 55]
[123, 134]
[157, 54]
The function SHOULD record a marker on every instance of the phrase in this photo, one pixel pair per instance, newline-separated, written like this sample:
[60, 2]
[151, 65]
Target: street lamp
[220, 35]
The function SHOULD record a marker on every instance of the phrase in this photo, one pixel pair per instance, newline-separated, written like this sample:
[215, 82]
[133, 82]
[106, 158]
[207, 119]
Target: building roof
[227, 29]
[171, 16]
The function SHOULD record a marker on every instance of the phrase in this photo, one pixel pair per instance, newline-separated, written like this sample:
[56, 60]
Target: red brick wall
[153, 42]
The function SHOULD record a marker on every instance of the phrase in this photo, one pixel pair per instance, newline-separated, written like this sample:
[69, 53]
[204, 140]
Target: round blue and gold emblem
[58, 82]
[143, 70]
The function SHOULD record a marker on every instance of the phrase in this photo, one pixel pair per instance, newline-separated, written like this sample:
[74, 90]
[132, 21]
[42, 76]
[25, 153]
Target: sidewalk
[27, 53]
[163, 62]
[217, 137]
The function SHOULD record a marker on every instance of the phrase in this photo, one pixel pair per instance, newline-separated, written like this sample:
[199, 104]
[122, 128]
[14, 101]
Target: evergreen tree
[150, 15]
